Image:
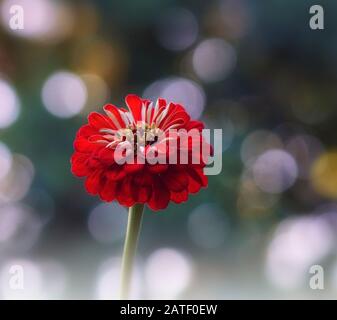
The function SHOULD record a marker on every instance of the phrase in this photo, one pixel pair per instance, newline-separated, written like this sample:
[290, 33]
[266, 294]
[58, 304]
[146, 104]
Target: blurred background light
[55, 279]
[213, 60]
[308, 104]
[256, 143]
[17, 182]
[168, 272]
[154, 90]
[20, 227]
[324, 174]
[108, 281]
[97, 90]
[251, 200]
[297, 244]
[179, 90]
[64, 94]
[305, 149]
[177, 29]
[9, 104]
[107, 222]
[5, 160]
[98, 56]
[231, 19]
[207, 226]
[275, 171]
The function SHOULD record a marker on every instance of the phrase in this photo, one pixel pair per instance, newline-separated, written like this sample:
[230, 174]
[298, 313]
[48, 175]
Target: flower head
[152, 153]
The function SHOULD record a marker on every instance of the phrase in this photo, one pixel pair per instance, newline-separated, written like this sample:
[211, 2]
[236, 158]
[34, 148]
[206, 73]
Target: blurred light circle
[107, 222]
[252, 201]
[229, 19]
[5, 160]
[9, 104]
[297, 244]
[305, 149]
[177, 29]
[42, 19]
[168, 273]
[54, 278]
[97, 89]
[324, 174]
[207, 226]
[17, 182]
[64, 94]
[213, 60]
[20, 227]
[179, 90]
[108, 281]
[154, 90]
[275, 171]
[187, 93]
[256, 143]
[102, 57]
[236, 18]
[32, 280]
[87, 20]
[309, 104]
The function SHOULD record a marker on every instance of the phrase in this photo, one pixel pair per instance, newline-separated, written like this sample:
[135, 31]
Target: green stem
[130, 246]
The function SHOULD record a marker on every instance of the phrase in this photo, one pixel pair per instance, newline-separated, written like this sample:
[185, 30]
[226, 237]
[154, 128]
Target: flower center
[138, 135]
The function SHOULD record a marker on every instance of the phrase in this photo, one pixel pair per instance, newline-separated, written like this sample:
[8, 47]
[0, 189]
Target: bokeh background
[253, 68]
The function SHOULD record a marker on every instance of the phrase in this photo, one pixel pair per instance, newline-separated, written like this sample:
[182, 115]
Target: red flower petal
[157, 168]
[179, 197]
[135, 105]
[133, 167]
[125, 192]
[109, 191]
[176, 180]
[86, 131]
[143, 192]
[93, 182]
[162, 102]
[114, 116]
[160, 194]
[98, 121]
[79, 164]
[195, 125]
[81, 144]
[116, 172]
[106, 156]
[197, 179]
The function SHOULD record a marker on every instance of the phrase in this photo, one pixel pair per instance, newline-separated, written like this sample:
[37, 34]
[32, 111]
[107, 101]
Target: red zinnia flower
[96, 154]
